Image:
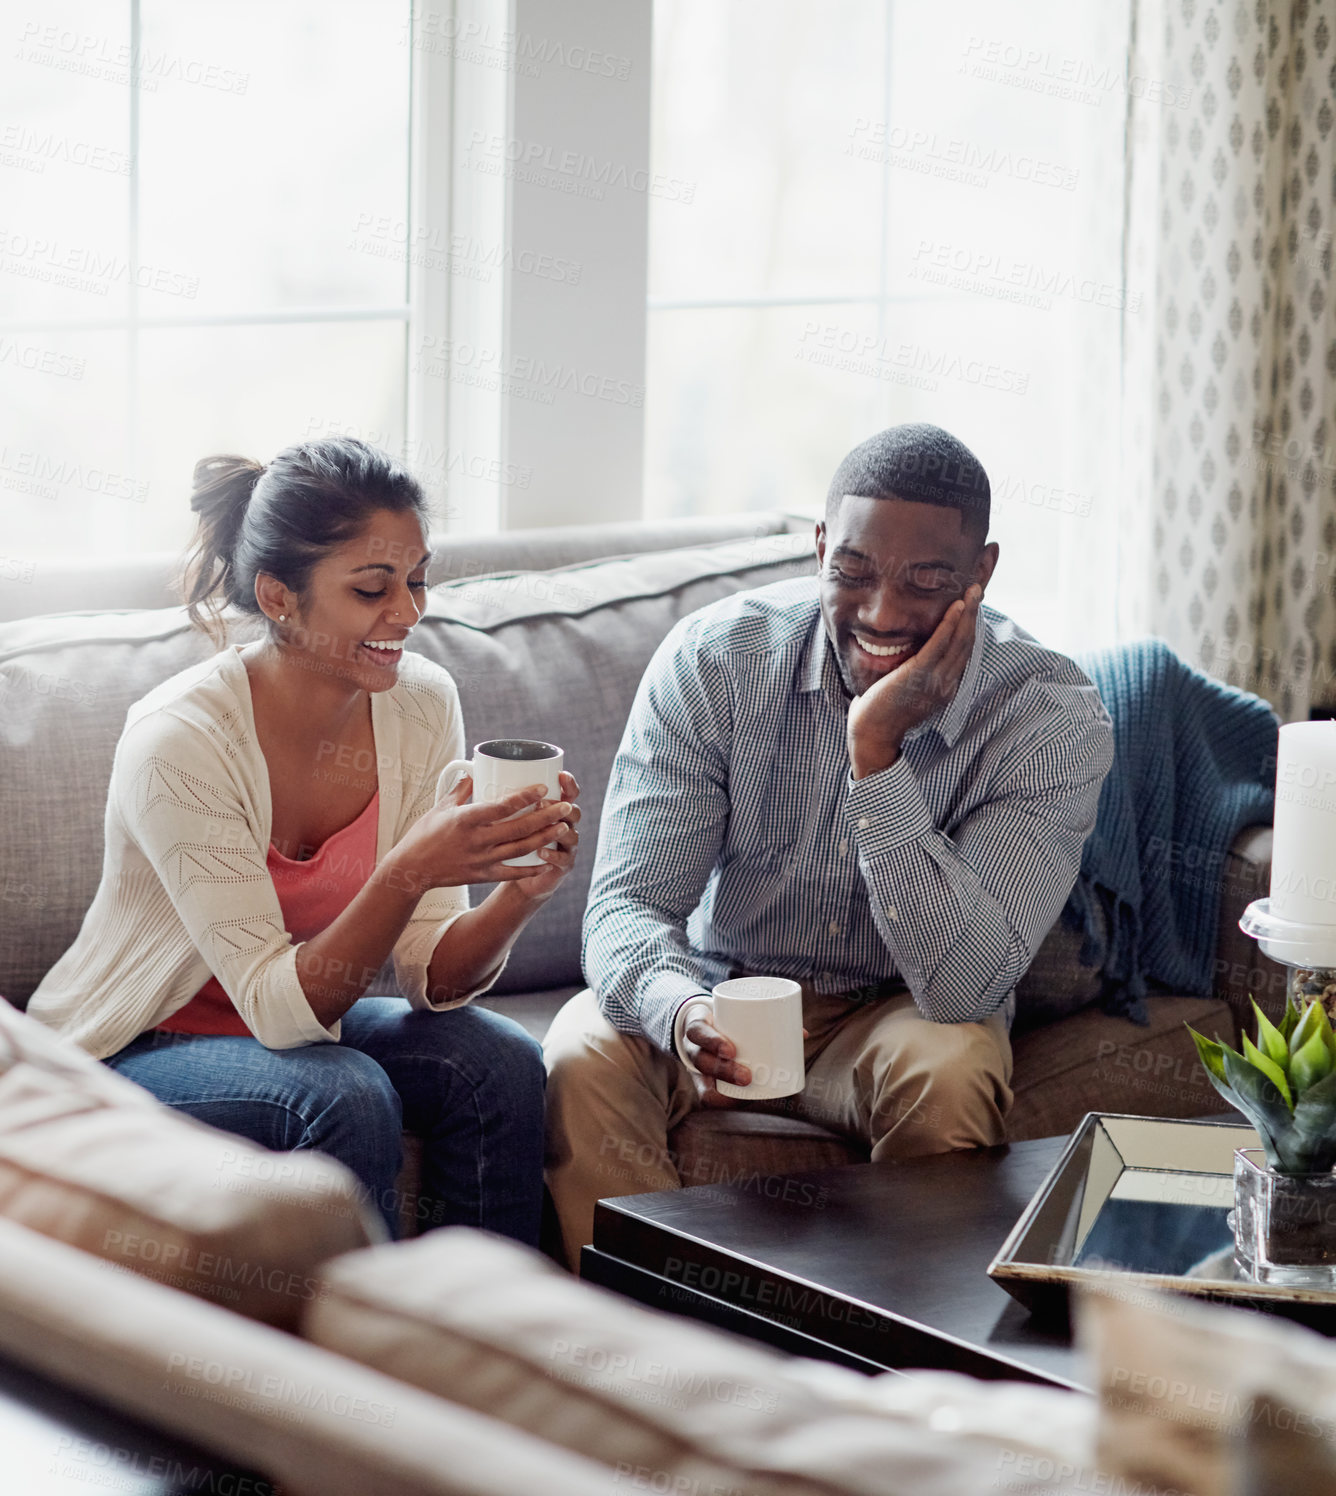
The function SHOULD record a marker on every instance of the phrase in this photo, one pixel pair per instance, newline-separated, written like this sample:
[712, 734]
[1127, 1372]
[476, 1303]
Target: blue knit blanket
[1194, 763]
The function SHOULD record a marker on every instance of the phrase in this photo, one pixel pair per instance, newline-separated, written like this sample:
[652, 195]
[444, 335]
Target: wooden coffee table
[881, 1267]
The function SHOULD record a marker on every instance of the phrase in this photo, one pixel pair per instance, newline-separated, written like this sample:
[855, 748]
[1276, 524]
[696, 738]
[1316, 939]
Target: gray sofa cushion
[555, 655]
[558, 655]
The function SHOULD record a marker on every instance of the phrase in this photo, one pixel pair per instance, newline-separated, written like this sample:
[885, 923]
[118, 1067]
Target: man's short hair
[919, 462]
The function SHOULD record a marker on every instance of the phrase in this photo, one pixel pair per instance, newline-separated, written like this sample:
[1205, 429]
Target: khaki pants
[877, 1071]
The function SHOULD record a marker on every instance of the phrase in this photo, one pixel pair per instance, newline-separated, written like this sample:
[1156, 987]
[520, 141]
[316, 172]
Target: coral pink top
[311, 894]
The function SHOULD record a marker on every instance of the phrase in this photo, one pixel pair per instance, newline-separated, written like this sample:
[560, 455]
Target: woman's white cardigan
[185, 890]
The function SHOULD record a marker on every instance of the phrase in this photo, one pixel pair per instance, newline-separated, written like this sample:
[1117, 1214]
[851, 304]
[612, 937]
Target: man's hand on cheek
[908, 695]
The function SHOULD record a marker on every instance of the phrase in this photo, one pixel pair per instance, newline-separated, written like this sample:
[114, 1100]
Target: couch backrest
[144, 580]
[550, 654]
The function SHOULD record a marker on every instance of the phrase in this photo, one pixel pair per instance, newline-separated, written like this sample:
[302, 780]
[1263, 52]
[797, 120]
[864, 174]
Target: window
[202, 249]
[902, 212]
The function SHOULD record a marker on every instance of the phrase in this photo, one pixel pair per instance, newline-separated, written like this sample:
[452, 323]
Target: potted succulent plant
[1285, 1193]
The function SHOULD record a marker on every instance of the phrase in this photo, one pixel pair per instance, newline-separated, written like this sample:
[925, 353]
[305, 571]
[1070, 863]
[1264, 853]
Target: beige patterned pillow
[665, 1403]
[93, 1160]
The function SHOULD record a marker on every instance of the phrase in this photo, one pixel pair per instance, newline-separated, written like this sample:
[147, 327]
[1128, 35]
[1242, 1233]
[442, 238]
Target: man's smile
[881, 654]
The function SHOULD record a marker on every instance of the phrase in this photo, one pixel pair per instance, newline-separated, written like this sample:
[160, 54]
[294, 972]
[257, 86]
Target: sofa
[183, 1311]
[245, 1302]
[547, 633]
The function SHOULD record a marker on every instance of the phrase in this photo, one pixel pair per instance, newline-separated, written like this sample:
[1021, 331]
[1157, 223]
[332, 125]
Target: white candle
[1303, 858]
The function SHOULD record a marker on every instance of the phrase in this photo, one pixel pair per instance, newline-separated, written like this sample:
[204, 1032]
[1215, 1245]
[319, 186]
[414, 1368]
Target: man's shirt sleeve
[664, 822]
[963, 915]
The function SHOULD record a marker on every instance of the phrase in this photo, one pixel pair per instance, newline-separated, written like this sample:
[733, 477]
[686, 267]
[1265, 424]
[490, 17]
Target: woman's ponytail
[220, 493]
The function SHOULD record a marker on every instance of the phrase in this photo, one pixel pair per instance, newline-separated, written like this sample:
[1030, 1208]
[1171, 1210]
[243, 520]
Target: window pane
[274, 153]
[64, 161]
[254, 390]
[272, 174]
[942, 186]
[747, 411]
[743, 101]
[66, 485]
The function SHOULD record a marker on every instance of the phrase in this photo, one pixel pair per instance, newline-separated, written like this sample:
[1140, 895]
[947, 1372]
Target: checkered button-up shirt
[733, 835]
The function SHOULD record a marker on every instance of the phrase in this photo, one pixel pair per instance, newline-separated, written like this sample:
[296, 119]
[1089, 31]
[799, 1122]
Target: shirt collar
[818, 671]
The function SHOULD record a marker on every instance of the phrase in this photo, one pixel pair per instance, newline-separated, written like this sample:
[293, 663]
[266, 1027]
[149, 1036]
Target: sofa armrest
[1240, 967]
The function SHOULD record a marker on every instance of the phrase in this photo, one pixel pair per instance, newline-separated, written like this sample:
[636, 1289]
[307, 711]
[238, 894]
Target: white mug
[763, 1016]
[500, 767]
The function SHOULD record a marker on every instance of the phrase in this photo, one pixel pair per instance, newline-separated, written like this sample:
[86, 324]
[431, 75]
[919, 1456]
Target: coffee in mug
[500, 767]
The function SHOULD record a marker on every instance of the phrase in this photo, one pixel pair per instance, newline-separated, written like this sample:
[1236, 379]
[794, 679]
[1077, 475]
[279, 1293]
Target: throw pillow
[668, 1404]
[93, 1160]
[1210, 1400]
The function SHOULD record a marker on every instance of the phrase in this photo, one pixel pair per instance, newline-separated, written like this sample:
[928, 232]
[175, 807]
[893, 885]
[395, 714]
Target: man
[863, 781]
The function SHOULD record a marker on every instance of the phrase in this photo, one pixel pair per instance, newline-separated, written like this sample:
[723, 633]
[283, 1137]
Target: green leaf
[1269, 1068]
[1270, 1040]
[1289, 1019]
[1308, 1025]
[1312, 1062]
[1208, 1051]
[1313, 1131]
[1326, 1030]
[1263, 1105]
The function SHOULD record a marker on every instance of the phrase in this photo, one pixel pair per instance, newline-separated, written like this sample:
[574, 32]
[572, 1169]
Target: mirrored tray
[1144, 1201]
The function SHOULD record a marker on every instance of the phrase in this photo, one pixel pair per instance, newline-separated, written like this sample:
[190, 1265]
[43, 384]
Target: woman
[274, 836]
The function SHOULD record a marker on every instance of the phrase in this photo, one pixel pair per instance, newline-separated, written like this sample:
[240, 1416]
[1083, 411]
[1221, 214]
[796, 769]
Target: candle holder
[1308, 951]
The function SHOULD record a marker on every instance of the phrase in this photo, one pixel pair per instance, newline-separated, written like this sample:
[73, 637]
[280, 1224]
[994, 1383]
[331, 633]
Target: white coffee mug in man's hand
[500, 767]
[763, 1016]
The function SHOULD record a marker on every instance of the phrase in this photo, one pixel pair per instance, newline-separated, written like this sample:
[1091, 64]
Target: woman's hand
[456, 843]
[561, 858]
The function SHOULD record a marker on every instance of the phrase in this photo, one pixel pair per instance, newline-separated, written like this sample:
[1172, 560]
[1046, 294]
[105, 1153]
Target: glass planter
[1309, 982]
[1284, 1224]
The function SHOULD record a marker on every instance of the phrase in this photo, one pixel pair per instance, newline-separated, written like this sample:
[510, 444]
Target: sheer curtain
[901, 211]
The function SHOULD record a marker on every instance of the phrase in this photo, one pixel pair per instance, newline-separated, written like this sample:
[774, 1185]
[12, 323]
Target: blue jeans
[467, 1081]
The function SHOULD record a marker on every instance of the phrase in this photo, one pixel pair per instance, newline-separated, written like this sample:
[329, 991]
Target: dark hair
[918, 462]
[282, 519]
